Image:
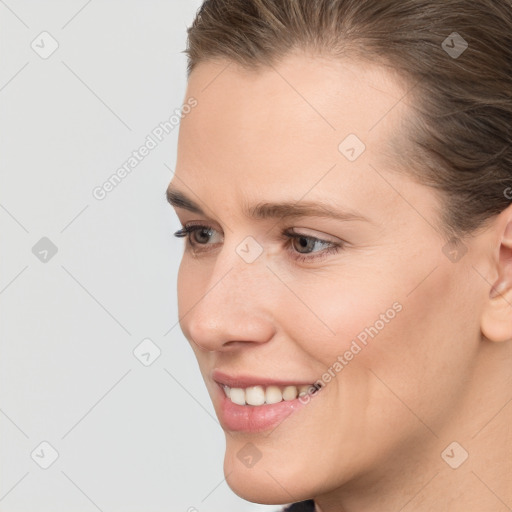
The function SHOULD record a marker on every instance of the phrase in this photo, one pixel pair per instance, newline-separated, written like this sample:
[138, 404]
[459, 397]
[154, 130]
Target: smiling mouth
[266, 395]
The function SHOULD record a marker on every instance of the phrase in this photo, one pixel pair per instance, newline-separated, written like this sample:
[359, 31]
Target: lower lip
[255, 418]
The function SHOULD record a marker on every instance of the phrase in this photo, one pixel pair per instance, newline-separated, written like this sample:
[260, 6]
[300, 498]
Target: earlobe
[496, 320]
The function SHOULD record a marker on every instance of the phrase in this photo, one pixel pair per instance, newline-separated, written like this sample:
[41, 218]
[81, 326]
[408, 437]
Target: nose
[231, 303]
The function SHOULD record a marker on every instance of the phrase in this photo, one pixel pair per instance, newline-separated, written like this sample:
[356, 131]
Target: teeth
[259, 395]
[290, 393]
[237, 396]
[255, 395]
[273, 395]
[303, 390]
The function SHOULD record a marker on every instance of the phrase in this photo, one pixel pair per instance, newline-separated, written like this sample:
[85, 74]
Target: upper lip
[244, 381]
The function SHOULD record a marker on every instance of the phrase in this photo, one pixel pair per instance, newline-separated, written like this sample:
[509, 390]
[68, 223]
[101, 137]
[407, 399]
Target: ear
[496, 320]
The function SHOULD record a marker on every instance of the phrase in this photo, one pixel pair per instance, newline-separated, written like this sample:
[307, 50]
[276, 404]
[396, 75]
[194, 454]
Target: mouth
[266, 395]
[254, 404]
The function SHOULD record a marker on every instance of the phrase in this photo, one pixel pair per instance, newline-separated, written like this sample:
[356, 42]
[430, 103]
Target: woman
[344, 184]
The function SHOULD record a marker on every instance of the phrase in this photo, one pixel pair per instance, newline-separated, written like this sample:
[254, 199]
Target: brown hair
[461, 135]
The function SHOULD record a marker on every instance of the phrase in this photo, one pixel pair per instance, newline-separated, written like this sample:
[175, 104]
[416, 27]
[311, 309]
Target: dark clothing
[303, 506]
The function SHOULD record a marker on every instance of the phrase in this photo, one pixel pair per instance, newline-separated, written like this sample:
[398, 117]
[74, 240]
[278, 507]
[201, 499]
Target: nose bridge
[236, 284]
[234, 306]
[240, 269]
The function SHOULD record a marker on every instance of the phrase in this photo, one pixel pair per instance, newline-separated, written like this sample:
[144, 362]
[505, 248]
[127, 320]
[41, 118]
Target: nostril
[235, 344]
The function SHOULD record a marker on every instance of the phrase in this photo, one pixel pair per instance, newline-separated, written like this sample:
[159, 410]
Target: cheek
[343, 315]
[434, 330]
[425, 350]
[386, 309]
[390, 339]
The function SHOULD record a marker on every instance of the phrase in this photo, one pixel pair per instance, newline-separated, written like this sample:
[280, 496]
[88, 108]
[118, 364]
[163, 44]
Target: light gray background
[130, 437]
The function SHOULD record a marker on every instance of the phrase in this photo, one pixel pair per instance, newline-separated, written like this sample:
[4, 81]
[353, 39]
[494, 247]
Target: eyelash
[187, 230]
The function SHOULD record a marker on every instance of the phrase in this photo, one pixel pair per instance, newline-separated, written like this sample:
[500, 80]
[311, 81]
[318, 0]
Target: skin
[438, 372]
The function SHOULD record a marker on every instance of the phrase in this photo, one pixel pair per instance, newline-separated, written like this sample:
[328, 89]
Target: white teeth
[237, 396]
[259, 395]
[255, 395]
[273, 395]
[290, 393]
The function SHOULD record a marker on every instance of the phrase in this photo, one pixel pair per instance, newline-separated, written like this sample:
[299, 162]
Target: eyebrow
[266, 210]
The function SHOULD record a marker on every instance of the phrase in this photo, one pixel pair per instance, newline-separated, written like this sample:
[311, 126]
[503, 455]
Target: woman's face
[367, 294]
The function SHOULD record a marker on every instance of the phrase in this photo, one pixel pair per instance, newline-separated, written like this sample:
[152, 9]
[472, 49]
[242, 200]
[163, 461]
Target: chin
[262, 488]
[265, 483]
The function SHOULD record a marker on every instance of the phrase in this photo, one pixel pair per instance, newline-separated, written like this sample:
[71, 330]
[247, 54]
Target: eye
[306, 244]
[300, 246]
[198, 234]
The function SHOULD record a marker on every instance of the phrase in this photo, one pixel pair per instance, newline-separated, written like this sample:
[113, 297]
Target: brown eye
[302, 247]
[305, 244]
[201, 234]
[197, 234]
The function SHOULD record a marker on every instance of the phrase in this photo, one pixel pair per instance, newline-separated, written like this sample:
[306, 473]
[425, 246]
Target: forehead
[278, 129]
[302, 103]
[339, 93]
